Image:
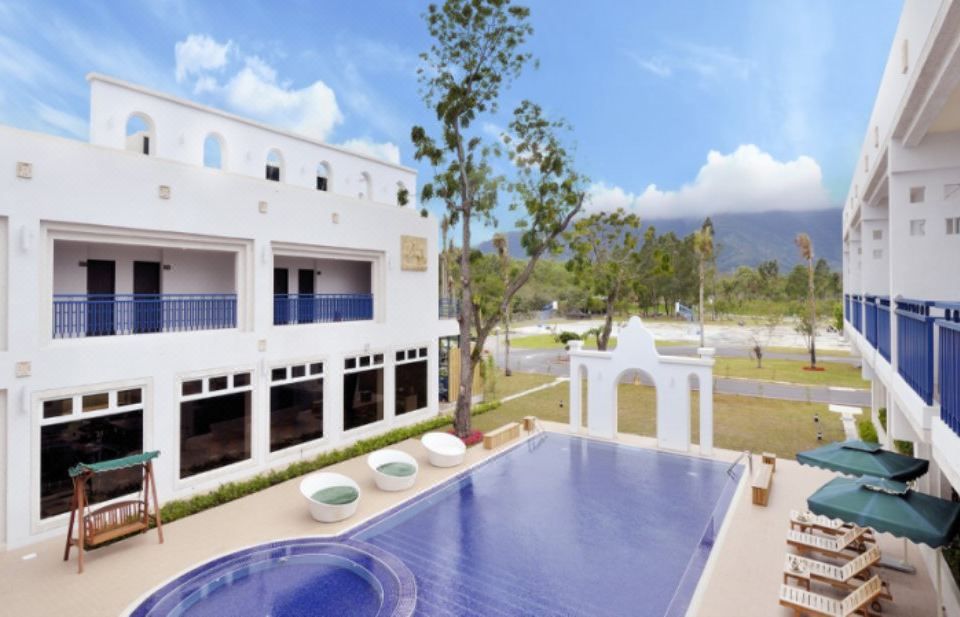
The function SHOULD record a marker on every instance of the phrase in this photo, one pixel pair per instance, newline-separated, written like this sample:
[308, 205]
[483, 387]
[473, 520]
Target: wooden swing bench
[114, 520]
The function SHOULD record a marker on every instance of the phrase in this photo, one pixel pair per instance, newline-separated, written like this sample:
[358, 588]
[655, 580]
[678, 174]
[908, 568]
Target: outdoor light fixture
[816, 418]
[561, 403]
[819, 435]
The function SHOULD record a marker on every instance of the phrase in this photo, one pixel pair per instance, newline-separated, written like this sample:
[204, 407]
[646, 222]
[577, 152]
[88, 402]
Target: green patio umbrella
[890, 506]
[860, 458]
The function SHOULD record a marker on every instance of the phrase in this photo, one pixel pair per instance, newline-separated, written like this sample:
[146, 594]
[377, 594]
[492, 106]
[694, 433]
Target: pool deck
[742, 578]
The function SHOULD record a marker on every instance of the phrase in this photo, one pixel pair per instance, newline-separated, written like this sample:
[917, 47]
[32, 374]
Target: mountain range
[749, 238]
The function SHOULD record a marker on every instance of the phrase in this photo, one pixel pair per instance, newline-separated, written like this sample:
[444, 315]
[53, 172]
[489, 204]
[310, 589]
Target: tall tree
[478, 48]
[604, 258]
[805, 245]
[502, 246]
[703, 247]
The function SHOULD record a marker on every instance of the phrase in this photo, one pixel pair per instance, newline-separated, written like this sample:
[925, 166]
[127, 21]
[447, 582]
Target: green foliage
[838, 316]
[567, 336]
[403, 196]
[230, 491]
[866, 429]
[882, 416]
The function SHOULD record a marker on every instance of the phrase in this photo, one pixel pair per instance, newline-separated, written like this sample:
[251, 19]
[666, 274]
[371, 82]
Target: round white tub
[388, 481]
[445, 450]
[328, 512]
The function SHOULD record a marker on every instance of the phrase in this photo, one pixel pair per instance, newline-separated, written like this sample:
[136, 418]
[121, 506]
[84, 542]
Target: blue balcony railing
[318, 308]
[870, 315]
[915, 346]
[846, 307]
[79, 315]
[449, 308]
[857, 313]
[949, 364]
[883, 327]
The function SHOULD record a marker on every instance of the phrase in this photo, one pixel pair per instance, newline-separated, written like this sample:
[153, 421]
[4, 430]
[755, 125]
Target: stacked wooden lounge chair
[803, 601]
[839, 547]
[807, 521]
[846, 577]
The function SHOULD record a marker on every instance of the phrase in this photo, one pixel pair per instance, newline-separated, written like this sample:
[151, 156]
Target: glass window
[362, 398]
[96, 402]
[241, 379]
[58, 407]
[89, 440]
[378, 358]
[316, 368]
[298, 371]
[411, 386]
[296, 413]
[350, 363]
[401, 356]
[194, 386]
[214, 432]
[129, 397]
[423, 352]
[218, 383]
[278, 374]
[364, 360]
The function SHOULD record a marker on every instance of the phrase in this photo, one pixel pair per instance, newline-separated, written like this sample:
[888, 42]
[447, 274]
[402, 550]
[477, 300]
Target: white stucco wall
[180, 128]
[218, 230]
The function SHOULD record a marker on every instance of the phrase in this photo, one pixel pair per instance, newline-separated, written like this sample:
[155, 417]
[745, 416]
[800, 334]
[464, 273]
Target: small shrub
[882, 416]
[865, 428]
[566, 336]
[903, 447]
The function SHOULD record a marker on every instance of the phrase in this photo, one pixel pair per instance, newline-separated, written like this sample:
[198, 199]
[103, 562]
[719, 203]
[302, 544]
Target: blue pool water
[556, 526]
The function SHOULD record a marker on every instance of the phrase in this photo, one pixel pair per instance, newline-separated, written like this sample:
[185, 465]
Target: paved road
[554, 362]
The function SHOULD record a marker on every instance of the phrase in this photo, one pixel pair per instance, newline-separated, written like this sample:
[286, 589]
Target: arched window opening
[213, 156]
[140, 134]
[366, 186]
[323, 177]
[274, 166]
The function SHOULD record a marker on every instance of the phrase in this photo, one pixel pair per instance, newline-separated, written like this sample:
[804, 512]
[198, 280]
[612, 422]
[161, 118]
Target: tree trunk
[506, 343]
[813, 313]
[604, 336]
[701, 302]
[461, 418]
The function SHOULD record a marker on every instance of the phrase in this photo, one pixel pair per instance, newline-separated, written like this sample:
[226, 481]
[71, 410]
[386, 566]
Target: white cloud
[386, 151]
[312, 110]
[61, 120]
[709, 63]
[746, 180]
[199, 53]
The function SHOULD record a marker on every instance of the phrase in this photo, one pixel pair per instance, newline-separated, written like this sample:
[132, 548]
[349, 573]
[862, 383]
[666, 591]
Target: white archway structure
[671, 375]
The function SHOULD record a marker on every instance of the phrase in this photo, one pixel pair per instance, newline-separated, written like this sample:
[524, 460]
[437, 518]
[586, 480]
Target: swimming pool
[558, 525]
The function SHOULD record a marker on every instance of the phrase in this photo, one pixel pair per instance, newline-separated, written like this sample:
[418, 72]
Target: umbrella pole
[939, 558]
[900, 565]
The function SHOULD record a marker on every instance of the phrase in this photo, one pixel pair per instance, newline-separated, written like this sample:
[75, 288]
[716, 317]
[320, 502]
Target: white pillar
[576, 395]
[706, 407]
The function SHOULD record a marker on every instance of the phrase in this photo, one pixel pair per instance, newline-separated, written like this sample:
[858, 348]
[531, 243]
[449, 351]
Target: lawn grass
[740, 422]
[518, 382]
[547, 341]
[827, 353]
[835, 373]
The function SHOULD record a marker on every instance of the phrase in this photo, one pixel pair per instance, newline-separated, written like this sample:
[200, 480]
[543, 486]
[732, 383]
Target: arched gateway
[671, 377]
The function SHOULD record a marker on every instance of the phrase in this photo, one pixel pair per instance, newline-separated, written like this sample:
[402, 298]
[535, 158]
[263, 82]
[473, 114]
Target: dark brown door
[101, 299]
[281, 296]
[147, 303]
[306, 309]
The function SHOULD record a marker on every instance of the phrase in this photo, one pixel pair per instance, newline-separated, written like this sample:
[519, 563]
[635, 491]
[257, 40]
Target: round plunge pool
[293, 578]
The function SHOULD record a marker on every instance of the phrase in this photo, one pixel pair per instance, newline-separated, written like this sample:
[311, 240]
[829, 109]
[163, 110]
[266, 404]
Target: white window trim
[40, 525]
[358, 431]
[424, 357]
[178, 397]
[306, 445]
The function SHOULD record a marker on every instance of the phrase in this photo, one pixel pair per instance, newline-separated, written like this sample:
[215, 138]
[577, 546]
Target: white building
[233, 295]
[901, 233]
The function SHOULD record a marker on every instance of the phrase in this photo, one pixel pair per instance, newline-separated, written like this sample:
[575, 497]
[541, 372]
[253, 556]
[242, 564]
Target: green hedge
[179, 508]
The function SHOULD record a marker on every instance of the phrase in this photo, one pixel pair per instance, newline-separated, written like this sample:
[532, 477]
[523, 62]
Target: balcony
[856, 310]
[949, 365]
[85, 315]
[870, 312]
[883, 327]
[915, 346]
[449, 308]
[321, 308]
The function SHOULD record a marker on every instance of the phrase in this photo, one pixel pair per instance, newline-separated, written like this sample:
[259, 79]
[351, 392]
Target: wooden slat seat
[803, 601]
[833, 546]
[761, 484]
[502, 435]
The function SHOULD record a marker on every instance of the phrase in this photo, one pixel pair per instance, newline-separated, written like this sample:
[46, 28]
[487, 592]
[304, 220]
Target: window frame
[372, 366]
[323, 375]
[37, 422]
[251, 462]
[412, 354]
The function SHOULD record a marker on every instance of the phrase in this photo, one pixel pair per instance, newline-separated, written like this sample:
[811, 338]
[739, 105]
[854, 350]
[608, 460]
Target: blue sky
[678, 108]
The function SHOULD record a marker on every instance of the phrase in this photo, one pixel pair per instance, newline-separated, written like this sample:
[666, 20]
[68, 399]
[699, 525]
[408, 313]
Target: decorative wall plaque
[414, 253]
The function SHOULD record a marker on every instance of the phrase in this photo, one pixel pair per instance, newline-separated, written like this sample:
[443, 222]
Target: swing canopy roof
[113, 464]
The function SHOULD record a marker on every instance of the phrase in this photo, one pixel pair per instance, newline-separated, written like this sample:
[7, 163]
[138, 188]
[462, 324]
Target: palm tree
[503, 250]
[805, 245]
[703, 246]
